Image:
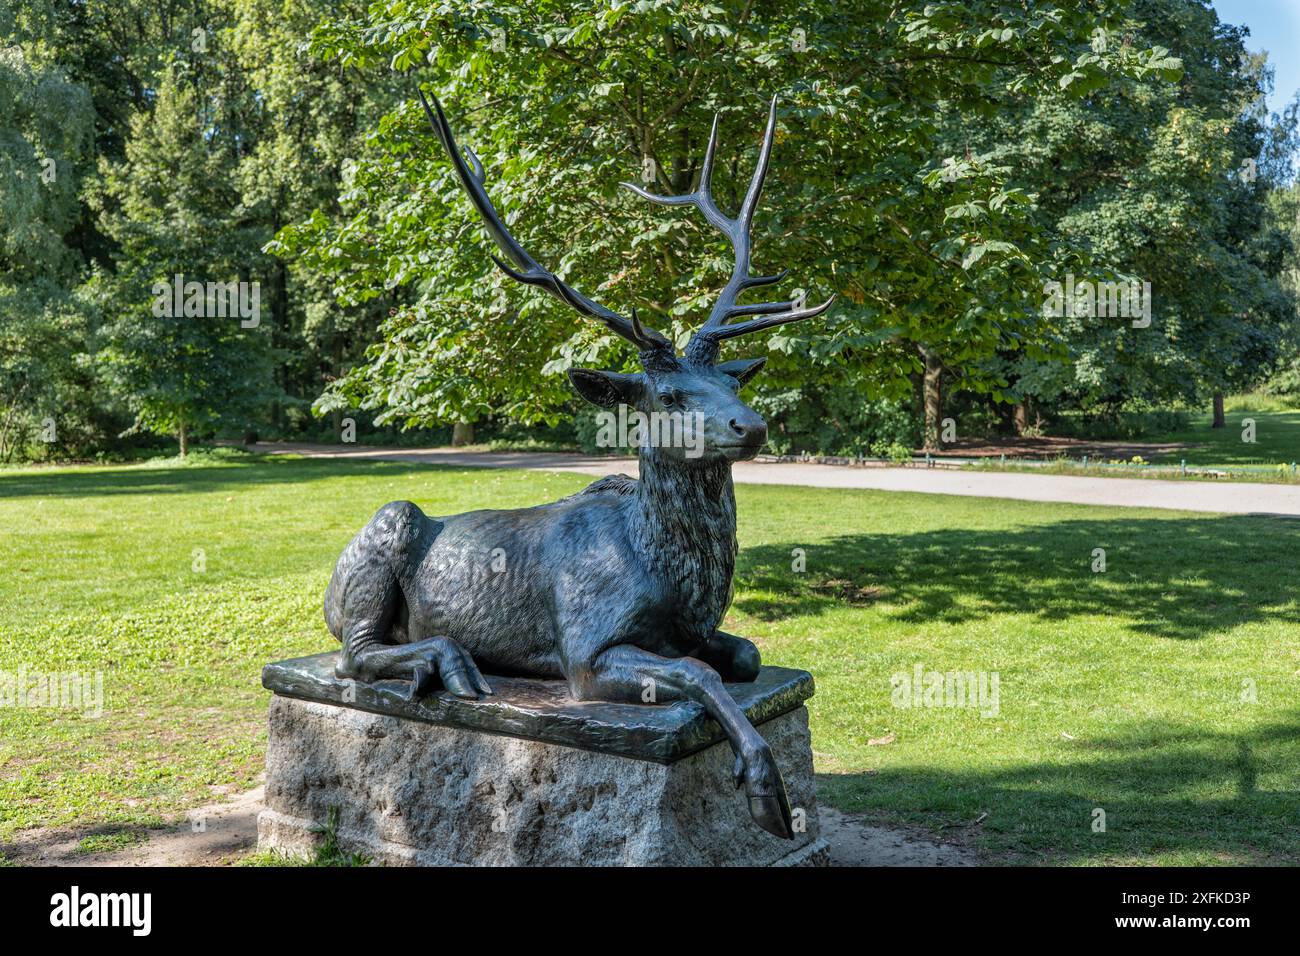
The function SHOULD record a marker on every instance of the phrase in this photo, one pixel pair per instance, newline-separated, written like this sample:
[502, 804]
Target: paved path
[1226, 497]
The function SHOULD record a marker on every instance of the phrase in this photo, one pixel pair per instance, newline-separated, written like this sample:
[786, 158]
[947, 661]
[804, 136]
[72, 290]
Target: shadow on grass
[1146, 781]
[185, 479]
[1178, 577]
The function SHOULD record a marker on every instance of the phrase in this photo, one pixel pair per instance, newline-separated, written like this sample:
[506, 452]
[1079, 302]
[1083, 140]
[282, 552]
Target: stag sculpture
[618, 588]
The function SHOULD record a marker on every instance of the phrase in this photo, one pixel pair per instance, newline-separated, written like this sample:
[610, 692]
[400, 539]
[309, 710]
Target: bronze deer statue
[619, 587]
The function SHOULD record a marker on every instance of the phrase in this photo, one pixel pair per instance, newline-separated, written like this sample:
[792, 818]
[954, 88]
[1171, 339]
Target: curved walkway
[1228, 497]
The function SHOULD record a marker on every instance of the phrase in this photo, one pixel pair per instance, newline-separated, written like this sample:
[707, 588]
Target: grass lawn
[1277, 435]
[1163, 691]
[1267, 458]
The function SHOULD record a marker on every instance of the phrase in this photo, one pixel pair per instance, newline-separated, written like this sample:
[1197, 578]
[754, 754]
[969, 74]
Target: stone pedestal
[526, 777]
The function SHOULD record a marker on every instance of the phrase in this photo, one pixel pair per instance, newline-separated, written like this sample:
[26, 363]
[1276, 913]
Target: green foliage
[1160, 183]
[172, 210]
[45, 128]
[43, 140]
[47, 379]
[834, 421]
[329, 853]
[923, 247]
[212, 129]
[109, 842]
[894, 451]
[1284, 209]
[936, 163]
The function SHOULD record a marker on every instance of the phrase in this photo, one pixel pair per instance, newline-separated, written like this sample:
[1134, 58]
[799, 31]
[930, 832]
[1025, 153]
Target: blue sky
[1275, 27]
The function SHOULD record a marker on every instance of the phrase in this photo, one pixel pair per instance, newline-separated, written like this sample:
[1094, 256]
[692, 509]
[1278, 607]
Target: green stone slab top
[542, 710]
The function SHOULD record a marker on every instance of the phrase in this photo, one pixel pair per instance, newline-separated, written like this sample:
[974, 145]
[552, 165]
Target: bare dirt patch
[229, 832]
[856, 842]
[213, 835]
[847, 591]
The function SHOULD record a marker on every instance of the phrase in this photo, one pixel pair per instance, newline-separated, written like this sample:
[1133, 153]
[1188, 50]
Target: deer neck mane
[694, 495]
[686, 524]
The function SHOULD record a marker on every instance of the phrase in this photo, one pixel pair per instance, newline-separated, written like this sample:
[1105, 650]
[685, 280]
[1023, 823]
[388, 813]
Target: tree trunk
[183, 436]
[933, 397]
[280, 326]
[462, 433]
[1021, 416]
[1219, 421]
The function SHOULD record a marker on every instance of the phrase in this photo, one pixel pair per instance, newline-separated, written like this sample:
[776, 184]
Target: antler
[704, 343]
[528, 271]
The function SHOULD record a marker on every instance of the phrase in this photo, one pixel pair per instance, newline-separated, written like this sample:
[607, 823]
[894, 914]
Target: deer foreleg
[735, 659]
[628, 673]
[422, 663]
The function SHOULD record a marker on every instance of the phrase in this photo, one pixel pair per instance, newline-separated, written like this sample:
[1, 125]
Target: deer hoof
[446, 661]
[421, 680]
[772, 813]
[768, 803]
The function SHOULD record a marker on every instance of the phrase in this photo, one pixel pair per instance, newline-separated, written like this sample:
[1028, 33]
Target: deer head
[694, 384]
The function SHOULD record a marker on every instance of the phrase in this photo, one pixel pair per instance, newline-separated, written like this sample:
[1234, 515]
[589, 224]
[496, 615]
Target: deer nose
[751, 431]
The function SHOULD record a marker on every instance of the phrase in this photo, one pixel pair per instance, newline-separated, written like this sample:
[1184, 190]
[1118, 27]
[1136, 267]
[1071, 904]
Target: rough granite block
[526, 777]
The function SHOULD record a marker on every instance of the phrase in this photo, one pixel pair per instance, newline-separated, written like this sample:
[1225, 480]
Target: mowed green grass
[1162, 691]
[1276, 435]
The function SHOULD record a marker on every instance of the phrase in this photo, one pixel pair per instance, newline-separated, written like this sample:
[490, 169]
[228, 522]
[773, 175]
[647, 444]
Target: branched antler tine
[639, 330]
[526, 268]
[701, 197]
[479, 173]
[633, 331]
[737, 230]
[706, 169]
[528, 278]
[760, 171]
[686, 200]
[757, 325]
[752, 282]
[473, 186]
[760, 308]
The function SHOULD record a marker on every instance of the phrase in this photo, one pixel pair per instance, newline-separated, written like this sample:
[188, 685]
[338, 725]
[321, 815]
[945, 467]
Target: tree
[925, 253]
[1157, 184]
[311, 122]
[45, 125]
[175, 214]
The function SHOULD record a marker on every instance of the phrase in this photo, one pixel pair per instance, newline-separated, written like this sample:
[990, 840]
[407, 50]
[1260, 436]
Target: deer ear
[607, 389]
[742, 369]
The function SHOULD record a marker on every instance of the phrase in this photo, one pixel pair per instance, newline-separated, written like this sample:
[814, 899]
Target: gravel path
[1226, 497]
